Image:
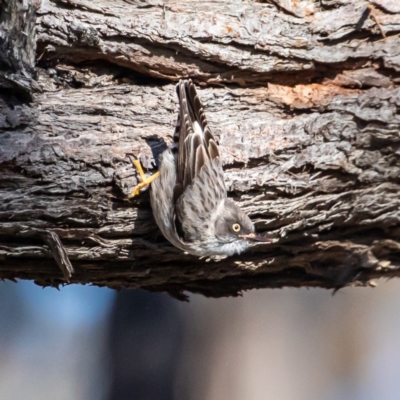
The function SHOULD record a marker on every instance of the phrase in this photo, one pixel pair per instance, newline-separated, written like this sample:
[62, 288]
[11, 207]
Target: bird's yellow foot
[145, 181]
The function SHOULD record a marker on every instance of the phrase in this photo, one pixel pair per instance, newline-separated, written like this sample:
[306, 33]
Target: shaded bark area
[303, 98]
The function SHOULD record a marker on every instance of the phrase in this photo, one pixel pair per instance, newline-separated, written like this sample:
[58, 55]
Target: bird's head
[234, 230]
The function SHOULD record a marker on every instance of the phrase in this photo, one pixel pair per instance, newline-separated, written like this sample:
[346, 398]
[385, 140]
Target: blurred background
[89, 343]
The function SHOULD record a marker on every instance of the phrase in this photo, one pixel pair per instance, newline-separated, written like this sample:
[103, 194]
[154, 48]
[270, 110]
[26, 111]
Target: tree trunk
[302, 96]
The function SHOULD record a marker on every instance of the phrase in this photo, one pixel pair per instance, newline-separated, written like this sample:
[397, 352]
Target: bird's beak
[256, 238]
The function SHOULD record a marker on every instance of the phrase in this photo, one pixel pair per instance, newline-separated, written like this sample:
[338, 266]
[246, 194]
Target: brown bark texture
[303, 97]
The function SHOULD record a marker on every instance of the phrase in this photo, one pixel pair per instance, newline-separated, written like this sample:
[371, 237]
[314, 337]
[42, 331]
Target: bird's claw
[145, 181]
[136, 190]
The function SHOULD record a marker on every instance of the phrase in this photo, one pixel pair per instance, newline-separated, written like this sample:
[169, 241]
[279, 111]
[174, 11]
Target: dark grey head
[234, 230]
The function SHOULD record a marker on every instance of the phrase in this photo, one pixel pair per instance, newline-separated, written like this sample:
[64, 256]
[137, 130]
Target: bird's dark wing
[195, 142]
[200, 201]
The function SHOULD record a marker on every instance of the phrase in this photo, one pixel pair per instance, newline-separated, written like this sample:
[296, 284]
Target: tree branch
[308, 126]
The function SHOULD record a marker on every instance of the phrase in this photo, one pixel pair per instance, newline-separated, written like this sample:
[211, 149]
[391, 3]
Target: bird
[188, 194]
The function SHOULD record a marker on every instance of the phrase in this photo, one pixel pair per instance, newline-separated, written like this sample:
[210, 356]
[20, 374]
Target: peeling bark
[302, 96]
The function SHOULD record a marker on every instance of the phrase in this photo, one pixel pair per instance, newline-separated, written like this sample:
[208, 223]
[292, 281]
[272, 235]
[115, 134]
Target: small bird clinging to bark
[188, 194]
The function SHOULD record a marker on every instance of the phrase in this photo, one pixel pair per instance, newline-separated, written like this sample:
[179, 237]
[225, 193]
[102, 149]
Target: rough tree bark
[302, 95]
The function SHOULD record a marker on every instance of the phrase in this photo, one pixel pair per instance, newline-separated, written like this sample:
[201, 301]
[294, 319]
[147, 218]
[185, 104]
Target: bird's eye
[236, 227]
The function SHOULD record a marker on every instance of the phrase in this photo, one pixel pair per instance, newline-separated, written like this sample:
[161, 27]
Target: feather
[199, 201]
[213, 149]
[201, 158]
[191, 134]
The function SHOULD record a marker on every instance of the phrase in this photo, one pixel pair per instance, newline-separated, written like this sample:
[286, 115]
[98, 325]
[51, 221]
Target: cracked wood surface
[302, 96]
